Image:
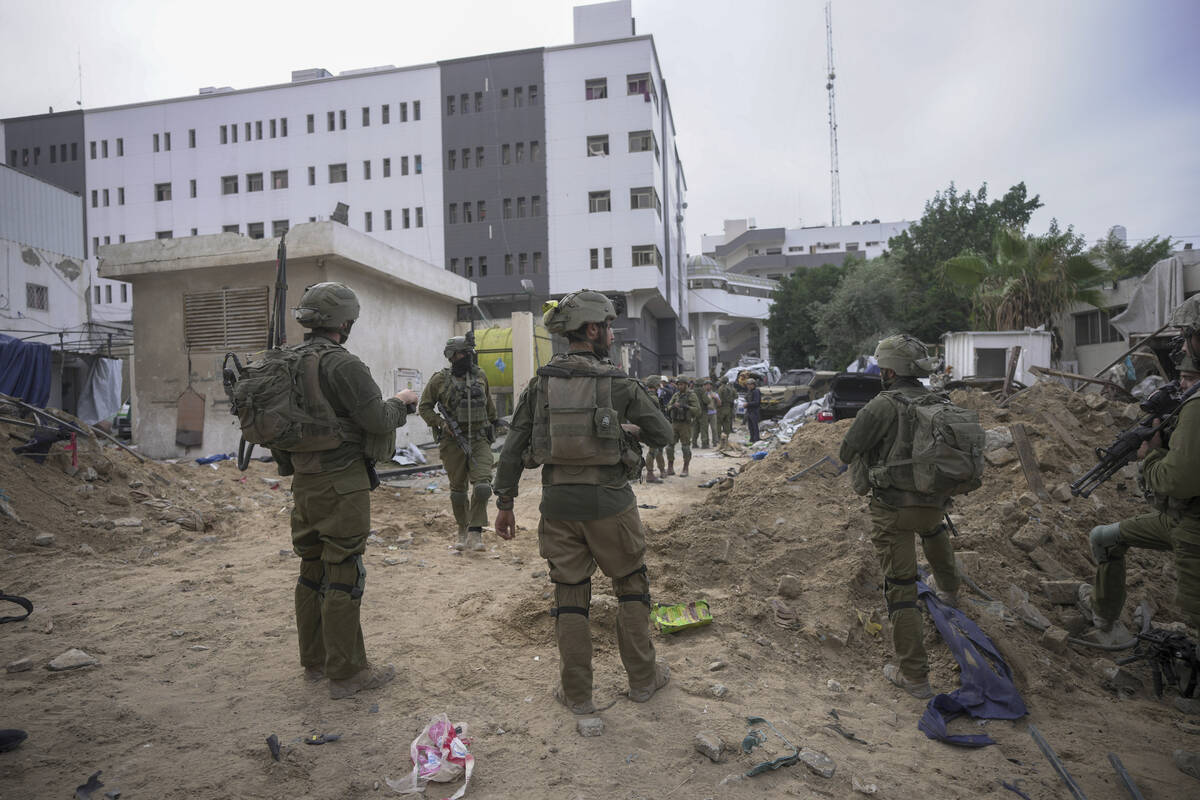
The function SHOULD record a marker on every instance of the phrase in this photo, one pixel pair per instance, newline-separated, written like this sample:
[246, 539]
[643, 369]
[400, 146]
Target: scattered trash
[215, 457]
[322, 738]
[646, 505]
[869, 625]
[273, 746]
[758, 736]
[838, 467]
[864, 787]
[439, 754]
[410, 456]
[680, 617]
[759, 456]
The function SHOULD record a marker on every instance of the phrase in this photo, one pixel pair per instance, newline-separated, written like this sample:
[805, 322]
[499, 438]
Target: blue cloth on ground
[987, 690]
[25, 370]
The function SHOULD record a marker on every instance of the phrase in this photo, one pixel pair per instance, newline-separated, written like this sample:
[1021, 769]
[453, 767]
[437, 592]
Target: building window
[403, 111]
[537, 263]
[467, 212]
[229, 184]
[506, 208]
[162, 191]
[167, 142]
[518, 97]
[595, 89]
[597, 145]
[505, 154]
[642, 142]
[224, 134]
[368, 223]
[483, 266]
[646, 255]
[417, 165]
[106, 198]
[124, 293]
[535, 150]
[337, 173]
[103, 150]
[522, 263]
[231, 228]
[508, 263]
[158, 235]
[274, 129]
[504, 102]
[449, 105]
[254, 182]
[95, 198]
[385, 114]
[366, 170]
[535, 206]
[608, 258]
[279, 227]
[120, 195]
[155, 145]
[37, 297]
[478, 156]
[192, 138]
[420, 212]
[366, 118]
[96, 300]
[520, 152]
[454, 265]
[452, 214]
[520, 208]
[192, 187]
[533, 95]
[594, 258]
[480, 210]
[257, 130]
[120, 149]
[599, 201]
[464, 102]
[311, 121]
[478, 102]
[403, 165]
[469, 266]
[241, 315]
[74, 151]
[330, 121]
[312, 176]
[254, 230]
[416, 110]
[404, 219]
[95, 244]
[92, 148]
[342, 119]
[233, 133]
[644, 197]
[283, 127]
[1092, 327]
[387, 216]
[466, 158]
[639, 84]
[108, 287]
[279, 179]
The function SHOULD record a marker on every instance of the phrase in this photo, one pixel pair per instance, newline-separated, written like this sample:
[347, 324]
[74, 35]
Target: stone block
[1061, 593]
[1047, 563]
[1031, 536]
[44, 540]
[996, 439]
[20, 665]
[72, 659]
[1095, 401]
[1061, 493]
[1027, 499]
[790, 586]
[1000, 457]
[710, 745]
[1054, 639]
[818, 762]
[590, 726]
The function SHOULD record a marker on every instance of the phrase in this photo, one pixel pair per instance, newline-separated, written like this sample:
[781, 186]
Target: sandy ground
[190, 616]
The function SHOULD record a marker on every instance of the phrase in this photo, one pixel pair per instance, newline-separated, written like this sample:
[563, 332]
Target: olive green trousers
[1154, 531]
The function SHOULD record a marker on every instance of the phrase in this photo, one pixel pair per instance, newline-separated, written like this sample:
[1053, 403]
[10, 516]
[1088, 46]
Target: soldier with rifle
[458, 408]
[1169, 452]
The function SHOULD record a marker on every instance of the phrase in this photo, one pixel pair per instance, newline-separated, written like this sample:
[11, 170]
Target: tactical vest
[466, 397]
[677, 409]
[576, 430]
[1174, 507]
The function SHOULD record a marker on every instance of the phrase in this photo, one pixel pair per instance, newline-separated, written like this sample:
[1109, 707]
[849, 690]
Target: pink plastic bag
[439, 754]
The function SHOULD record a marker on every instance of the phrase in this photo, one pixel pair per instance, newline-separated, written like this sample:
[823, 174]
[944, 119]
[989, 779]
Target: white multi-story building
[534, 172]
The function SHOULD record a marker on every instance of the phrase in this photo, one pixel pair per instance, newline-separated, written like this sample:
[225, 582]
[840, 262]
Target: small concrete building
[200, 297]
[985, 354]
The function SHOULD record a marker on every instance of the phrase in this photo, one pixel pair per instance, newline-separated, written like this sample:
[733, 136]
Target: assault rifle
[1162, 649]
[1163, 405]
[455, 431]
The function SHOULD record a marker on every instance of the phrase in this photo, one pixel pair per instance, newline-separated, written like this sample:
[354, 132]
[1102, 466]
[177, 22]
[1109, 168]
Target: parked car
[795, 386]
[848, 392]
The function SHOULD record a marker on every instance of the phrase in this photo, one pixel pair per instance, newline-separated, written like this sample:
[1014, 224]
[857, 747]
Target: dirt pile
[737, 546]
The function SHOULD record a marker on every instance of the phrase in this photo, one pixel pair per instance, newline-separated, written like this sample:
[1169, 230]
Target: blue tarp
[987, 690]
[25, 370]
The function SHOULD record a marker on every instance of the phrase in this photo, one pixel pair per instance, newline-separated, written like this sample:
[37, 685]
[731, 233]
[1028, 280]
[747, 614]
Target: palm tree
[1027, 282]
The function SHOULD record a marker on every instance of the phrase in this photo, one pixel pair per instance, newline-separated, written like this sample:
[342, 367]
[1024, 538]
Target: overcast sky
[1095, 104]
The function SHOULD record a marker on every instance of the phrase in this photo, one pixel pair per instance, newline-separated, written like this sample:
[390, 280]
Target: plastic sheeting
[101, 396]
[25, 370]
[1154, 298]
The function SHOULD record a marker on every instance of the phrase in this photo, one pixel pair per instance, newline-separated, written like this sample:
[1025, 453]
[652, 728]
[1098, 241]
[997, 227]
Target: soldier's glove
[632, 430]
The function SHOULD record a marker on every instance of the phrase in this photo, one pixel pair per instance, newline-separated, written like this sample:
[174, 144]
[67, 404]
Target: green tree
[866, 307]
[797, 305]
[1027, 281]
[953, 225]
[1124, 261]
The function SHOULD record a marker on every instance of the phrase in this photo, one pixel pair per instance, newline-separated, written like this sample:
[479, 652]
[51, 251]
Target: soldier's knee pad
[481, 493]
[634, 587]
[572, 598]
[900, 593]
[312, 575]
[1103, 538]
[341, 575]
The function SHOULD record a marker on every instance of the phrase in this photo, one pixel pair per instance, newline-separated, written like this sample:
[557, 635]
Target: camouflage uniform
[700, 433]
[682, 410]
[728, 394]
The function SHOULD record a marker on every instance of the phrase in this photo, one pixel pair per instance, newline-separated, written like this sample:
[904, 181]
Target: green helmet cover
[1188, 363]
[904, 355]
[654, 381]
[456, 344]
[327, 305]
[1187, 314]
[576, 310]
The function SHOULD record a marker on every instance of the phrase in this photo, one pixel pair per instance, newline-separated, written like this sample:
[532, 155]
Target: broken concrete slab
[1054, 639]
[72, 659]
[1047, 563]
[20, 665]
[710, 745]
[1031, 536]
[818, 762]
[590, 726]
[1000, 457]
[1061, 593]
[1061, 493]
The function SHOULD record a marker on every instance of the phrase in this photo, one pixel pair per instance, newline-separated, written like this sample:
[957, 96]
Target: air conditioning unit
[596, 149]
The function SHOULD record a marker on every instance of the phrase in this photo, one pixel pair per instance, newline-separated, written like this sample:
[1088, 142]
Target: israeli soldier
[654, 454]
[897, 515]
[682, 409]
[458, 408]
[331, 516]
[1170, 473]
[700, 433]
[728, 395]
[572, 419]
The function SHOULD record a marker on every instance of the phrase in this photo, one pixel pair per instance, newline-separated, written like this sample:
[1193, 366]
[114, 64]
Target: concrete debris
[590, 726]
[710, 745]
[999, 457]
[864, 786]
[1054, 639]
[115, 498]
[1032, 535]
[20, 665]
[1048, 563]
[790, 586]
[997, 438]
[1095, 401]
[72, 659]
[1117, 678]
[1061, 493]
[967, 562]
[818, 762]
[1061, 593]
[718, 690]
[44, 540]
[716, 666]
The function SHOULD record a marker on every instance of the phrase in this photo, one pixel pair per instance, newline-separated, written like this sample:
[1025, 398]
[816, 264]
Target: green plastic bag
[680, 617]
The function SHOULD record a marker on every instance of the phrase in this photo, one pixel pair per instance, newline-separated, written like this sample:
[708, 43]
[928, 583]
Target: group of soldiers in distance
[701, 414]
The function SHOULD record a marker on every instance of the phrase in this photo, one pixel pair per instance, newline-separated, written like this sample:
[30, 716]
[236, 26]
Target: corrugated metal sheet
[34, 213]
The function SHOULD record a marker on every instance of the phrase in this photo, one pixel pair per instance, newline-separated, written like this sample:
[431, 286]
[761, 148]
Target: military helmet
[654, 381]
[1187, 314]
[456, 344]
[576, 310]
[904, 355]
[327, 305]
[681, 379]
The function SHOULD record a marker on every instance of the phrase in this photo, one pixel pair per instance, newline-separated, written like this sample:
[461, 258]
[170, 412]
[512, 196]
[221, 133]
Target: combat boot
[1084, 604]
[684, 472]
[461, 544]
[651, 477]
[662, 676]
[919, 689]
[670, 468]
[369, 677]
[475, 539]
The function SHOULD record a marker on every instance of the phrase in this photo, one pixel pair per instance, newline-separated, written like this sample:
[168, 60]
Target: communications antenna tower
[834, 175]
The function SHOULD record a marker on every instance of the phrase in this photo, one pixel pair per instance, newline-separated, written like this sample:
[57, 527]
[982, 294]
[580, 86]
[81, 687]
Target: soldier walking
[572, 419]
[682, 410]
[700, 434]
[458, 408]
[728, 395]
[655, 454]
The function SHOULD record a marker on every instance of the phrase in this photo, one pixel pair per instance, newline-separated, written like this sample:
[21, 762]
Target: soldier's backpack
[279, 403]
[938, 448]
